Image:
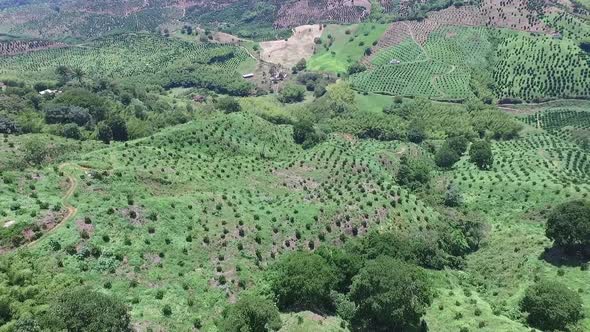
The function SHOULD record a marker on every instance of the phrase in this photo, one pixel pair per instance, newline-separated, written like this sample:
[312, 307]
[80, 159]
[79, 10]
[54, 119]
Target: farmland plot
[122, 56]
[439, 69]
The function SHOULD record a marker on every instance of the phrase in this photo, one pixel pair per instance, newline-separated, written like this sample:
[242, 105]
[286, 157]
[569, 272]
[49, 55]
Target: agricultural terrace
[302, 12]
[520, 15]
[535, 67]
[341, 46]
[419, 31]
[441, 69]
[409, 9]
[122, 56]
[23, 46]
[44, 22]
[569, 26]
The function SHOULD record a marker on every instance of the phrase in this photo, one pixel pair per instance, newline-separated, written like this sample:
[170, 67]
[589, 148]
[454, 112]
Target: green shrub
[481, 154]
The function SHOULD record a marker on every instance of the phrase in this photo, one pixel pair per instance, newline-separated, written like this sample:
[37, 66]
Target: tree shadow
[559, 257]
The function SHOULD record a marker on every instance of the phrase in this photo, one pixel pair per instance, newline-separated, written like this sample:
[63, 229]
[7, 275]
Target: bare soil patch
[288, 53]
[9, 223]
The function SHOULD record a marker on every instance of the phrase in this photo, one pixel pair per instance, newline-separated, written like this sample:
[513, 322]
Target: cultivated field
[122, 56]
[302, 12]
[440, 69]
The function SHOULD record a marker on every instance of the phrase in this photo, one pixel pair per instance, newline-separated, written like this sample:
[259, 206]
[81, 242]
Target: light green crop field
[182, 189]
[531, 175]
[348, 46]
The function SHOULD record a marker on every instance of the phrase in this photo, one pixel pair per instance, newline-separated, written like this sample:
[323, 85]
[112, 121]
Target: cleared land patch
[288, 52]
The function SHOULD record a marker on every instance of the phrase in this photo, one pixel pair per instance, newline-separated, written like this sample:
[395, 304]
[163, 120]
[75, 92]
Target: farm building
[278, 76]
[250, 75]
[199, 99]
[49, 92]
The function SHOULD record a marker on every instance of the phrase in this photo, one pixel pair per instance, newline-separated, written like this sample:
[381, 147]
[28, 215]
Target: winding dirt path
[71, 210]
[435, 78]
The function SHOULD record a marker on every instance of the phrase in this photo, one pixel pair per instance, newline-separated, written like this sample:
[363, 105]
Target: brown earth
[288, 53]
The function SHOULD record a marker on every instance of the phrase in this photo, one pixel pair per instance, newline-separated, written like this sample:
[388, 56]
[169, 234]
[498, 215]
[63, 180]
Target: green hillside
[386, 166]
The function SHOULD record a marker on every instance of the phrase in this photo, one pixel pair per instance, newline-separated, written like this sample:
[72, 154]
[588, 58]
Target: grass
[373, 102]
[308, 321]
[348, 46]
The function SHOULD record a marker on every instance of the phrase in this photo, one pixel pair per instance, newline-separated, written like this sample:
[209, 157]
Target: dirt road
[71, 210]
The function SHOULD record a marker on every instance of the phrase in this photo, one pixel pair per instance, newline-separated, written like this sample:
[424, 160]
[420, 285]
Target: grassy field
[347, 46]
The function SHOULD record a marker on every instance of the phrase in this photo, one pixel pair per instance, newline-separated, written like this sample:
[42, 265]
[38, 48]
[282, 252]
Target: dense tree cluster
[363, 283]
[481, 154]
[568, 225]
[551, 306]
[86, 310]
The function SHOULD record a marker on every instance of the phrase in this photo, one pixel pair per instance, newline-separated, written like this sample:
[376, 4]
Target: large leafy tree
[414, 172]
[292, 93]
[305, 134]
[228, 105]
[390, 296]
[302, 281]
[251, 314]
[104, 132]
[446, 157]
[481, 154]
[84, 310]
[119, 128]
[568, 225]
[551, 306]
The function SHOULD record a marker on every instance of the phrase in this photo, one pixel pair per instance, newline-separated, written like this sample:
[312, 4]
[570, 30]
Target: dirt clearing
[297, 47]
